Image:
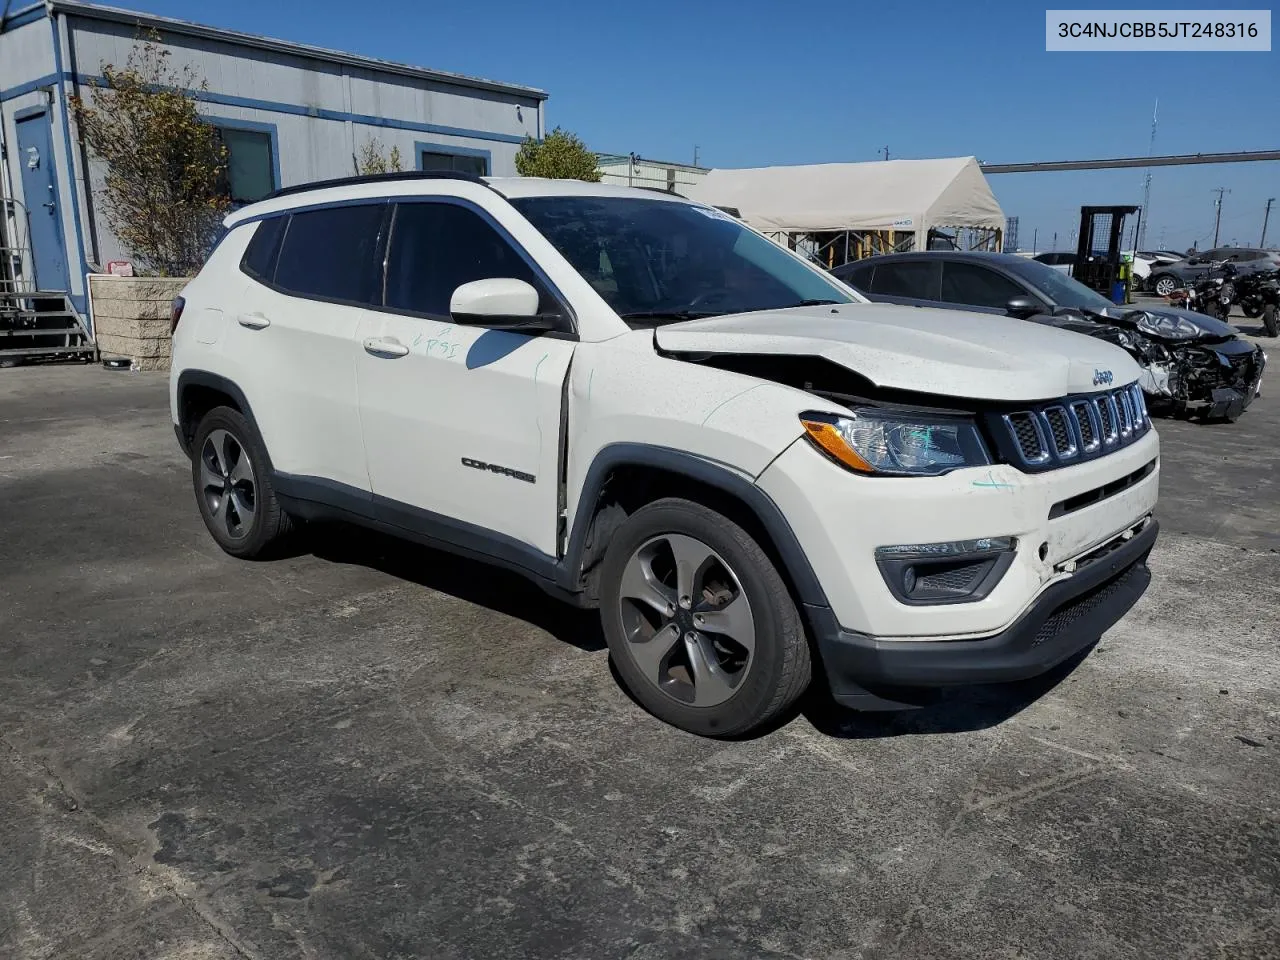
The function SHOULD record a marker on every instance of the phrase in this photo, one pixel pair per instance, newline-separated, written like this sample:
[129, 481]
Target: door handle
[253, 321]
[48, 205]
[388, 348]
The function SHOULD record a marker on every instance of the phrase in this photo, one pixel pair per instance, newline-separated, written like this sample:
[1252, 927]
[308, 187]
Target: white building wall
[319, 113]
[649, 173]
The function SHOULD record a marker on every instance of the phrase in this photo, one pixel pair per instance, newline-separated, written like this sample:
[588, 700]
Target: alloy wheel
[227, 484]
[1165, 286]
[686, 619]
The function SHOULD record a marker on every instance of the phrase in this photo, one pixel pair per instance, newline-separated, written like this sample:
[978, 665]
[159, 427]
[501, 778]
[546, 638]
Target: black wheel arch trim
[713, 474]
[203, 378]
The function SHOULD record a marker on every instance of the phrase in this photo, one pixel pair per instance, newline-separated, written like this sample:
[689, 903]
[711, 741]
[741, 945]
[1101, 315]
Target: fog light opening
[954, 571]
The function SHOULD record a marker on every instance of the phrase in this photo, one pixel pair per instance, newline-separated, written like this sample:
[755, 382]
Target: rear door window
[918, 279]
[331, 254]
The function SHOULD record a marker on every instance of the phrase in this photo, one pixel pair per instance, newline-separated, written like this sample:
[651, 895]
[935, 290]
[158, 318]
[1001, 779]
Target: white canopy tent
[903, 197]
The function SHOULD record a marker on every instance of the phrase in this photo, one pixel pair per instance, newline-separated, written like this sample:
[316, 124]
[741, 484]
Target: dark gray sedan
[1168, 277]
[1191, 363]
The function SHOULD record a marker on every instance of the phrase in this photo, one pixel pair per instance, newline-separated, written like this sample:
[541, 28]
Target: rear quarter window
[259, 260]
[859, 277]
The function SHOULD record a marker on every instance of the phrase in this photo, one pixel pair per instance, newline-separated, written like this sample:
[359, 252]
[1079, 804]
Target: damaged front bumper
[1214, 379]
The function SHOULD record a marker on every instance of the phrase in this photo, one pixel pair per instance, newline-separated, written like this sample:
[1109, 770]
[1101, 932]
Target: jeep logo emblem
[1102, 377]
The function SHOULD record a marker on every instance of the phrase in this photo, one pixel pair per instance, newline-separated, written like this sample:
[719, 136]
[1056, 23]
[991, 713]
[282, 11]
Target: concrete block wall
[131, 317]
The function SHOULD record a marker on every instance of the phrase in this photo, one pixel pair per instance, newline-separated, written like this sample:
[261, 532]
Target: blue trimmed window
[250, 173]
[476, 164]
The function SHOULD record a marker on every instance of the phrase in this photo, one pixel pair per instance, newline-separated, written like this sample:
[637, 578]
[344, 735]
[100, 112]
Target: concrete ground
[378, 751]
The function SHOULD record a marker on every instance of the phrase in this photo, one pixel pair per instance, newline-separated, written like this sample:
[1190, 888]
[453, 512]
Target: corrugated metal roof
[93, 11]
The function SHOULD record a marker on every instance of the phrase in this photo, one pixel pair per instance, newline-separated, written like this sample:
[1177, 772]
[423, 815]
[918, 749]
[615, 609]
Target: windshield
[1060, 288]
[660, 261]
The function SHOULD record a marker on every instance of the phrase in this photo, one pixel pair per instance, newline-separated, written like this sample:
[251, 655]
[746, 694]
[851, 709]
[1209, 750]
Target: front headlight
[876, 440]
[1171, 328]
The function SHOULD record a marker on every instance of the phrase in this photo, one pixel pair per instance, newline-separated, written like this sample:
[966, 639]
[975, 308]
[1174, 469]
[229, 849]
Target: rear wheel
[232, 481]
[1164, 285]
[700, 625]
[1269, 320]
[1251, 310]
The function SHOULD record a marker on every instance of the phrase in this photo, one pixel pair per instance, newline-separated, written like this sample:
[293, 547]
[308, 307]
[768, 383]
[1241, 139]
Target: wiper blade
[670, 314]
[813, 303]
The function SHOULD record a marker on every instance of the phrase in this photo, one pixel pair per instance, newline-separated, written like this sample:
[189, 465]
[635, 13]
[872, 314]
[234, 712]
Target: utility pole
[1035, 235]
[1217, 204]
[1266, 215]
[1141, 239]
[886, 152]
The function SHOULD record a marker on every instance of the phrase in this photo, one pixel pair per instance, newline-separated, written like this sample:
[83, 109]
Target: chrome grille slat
[1059, 430]
[1107, 412]
[1081, 427]
[1085, 413]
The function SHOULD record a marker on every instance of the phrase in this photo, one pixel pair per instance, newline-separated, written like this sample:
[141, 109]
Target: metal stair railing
[33, 322]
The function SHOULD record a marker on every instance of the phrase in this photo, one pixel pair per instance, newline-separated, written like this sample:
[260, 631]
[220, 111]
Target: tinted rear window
[330, 254]
[259, 258]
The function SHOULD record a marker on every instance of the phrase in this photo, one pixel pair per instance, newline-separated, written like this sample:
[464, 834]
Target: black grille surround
[1061, 433]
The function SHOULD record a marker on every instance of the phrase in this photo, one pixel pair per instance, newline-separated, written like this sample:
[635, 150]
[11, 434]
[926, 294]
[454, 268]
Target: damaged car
[1192, 364]
[757, 478]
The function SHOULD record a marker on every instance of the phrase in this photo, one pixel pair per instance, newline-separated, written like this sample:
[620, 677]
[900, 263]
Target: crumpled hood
[1210, 327]
[941, 352]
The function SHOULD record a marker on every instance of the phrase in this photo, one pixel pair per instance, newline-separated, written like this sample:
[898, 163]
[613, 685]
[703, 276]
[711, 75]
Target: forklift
[1099, 264]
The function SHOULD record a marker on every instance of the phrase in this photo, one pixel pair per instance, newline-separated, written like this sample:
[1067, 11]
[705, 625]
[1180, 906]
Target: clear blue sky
[756, 82]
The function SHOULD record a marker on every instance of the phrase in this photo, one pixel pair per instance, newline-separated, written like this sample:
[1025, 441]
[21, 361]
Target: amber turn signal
[829, 439]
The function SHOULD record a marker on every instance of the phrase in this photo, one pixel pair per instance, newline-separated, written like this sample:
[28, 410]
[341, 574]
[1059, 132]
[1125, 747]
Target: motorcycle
[1259, 296]
[1213, 294]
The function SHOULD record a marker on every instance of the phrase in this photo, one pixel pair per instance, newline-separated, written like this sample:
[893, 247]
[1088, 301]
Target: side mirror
[500, 303]
[1023, 307]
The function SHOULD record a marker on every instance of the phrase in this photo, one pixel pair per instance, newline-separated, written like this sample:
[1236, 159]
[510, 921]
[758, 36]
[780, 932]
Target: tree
[165, 190]
[561, 155]
[370, 159]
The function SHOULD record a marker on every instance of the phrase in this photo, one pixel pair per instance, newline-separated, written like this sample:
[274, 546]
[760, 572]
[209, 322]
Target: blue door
[40, 193]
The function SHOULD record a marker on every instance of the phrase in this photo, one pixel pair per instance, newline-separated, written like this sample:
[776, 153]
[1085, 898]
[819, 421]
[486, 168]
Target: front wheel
[699, 623]
[1269, 321]
[1164, 285]
[1250, 309]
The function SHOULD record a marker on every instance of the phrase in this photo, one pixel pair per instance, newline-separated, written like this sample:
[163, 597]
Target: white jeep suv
[646, 407]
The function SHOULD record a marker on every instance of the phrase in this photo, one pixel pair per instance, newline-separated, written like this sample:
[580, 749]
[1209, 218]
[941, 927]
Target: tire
[1164, 285]
[1269, 321]
[674, 662]
[1251, 310]
[227, 453]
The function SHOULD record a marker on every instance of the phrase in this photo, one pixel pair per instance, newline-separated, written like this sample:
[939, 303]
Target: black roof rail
[664, 191]
[376, 178]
